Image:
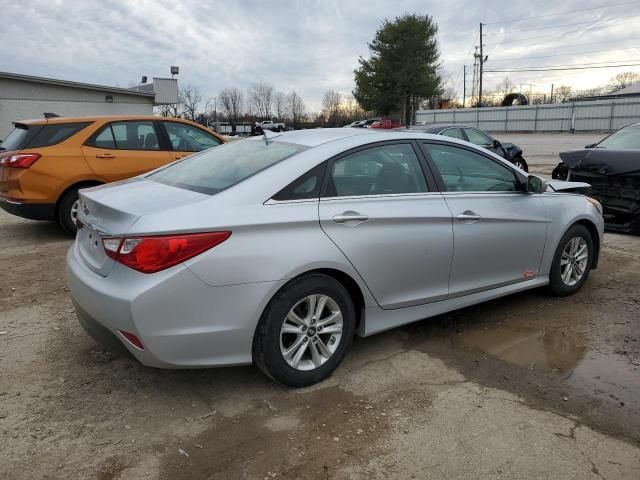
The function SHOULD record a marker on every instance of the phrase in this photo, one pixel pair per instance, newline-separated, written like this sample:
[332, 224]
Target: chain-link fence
[586, 116]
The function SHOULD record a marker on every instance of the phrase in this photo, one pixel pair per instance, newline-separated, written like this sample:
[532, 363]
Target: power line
[560, 69]
[596, 20]
[607, 62]
[564, 54]
[572, 12]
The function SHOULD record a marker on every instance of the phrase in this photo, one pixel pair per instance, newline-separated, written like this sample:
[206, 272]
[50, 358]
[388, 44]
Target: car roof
[436, 127]
[318, 136]
[57, 120]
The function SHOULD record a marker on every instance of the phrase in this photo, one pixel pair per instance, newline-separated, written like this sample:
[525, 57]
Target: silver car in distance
[277, 250]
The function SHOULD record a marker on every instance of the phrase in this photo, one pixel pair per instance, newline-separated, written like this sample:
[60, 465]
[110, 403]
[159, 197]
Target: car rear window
[219, 168]
[34, 136]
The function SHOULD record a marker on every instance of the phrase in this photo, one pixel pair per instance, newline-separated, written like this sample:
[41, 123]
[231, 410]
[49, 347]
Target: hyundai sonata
[277, 250]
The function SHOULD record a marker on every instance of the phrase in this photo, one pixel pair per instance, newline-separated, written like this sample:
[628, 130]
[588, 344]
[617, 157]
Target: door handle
[350, 217]
[105, 155]
[468, 216]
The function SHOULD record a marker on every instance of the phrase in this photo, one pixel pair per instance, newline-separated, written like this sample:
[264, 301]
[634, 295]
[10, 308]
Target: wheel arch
[80, 184]
[593, 230]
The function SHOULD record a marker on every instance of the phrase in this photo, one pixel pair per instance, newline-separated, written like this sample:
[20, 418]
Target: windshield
[219, 168]
[625, 139]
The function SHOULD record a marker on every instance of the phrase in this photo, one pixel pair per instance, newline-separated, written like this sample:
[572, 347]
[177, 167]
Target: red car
[386, 124]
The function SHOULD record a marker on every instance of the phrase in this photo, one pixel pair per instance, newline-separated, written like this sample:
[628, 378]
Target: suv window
[387, 169]
[453, 133]
[34, 136]
[219, 168]
[135, 135]
[466, 171]
[304, 187]
[186, 138]
[478, 137]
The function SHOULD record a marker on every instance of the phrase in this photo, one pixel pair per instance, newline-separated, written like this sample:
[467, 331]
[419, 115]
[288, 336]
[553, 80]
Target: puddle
[549, 349]
[603, 374]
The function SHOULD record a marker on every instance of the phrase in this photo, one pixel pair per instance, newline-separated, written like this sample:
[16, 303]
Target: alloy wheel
[311, 332]
[74, 211]
[573, 262]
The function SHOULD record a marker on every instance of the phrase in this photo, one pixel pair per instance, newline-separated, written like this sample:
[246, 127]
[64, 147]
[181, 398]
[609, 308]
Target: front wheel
[520, 163]
[571, 262]
[305, 331]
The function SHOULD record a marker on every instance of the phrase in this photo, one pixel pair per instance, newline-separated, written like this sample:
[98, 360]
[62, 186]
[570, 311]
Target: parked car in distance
[356, 124]
[367, 123]
[612, 168]
[386, 124]
[45, 162]
[508, 151]
[277, 250]
[270, 125]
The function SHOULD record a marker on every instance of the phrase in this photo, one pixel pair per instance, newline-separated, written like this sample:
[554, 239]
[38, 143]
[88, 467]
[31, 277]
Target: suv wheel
[305, 331]
[68, 211]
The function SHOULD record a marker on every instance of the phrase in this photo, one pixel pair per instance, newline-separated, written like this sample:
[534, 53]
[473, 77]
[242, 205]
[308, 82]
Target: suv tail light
[153, 254]
[19, 160]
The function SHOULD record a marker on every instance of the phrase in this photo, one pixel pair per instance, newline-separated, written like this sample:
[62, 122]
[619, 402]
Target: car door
[124, 149]
[499, 230]
[377, 207]
[186, 139]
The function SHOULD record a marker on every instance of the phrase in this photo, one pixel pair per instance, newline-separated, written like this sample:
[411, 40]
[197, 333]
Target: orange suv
[43, 163]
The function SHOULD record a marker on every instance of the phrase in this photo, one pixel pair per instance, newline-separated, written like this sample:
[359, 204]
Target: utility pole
[481, 65]
[551, 98]
[464, 85]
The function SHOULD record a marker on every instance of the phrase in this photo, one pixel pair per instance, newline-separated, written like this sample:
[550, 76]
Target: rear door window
[135, 135]
[382, 170]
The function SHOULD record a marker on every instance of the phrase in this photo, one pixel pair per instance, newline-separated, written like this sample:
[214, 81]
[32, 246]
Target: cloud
[309, 46]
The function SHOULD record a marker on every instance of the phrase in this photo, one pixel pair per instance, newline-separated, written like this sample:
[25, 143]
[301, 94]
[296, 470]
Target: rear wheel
[68, 211]
[572, 261]
[305, 331]
[520, 163]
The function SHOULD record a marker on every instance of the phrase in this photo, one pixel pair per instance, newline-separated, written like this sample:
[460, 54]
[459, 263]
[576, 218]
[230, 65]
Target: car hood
[601, 161]
[568, 187]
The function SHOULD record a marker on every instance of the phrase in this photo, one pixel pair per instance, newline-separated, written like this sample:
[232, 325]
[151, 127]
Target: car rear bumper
[181, 321]
[32, 211]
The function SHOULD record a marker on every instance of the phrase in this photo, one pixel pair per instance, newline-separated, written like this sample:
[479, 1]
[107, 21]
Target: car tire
[520, 163]
[66, 208]
[279, 341]
[568, 261]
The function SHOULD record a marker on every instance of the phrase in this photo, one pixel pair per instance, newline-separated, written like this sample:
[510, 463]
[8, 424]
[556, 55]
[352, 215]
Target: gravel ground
[527, 386]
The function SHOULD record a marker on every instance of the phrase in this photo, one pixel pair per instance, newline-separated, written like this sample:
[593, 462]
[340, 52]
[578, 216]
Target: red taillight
[133, 339]
[152, 254]
[19, 160]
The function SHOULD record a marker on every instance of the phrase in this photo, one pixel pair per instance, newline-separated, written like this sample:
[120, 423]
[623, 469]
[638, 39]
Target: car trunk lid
[110, 211]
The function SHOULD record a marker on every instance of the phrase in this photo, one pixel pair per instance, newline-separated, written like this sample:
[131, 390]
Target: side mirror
[536, 184]
[591, 145]
[496, 143]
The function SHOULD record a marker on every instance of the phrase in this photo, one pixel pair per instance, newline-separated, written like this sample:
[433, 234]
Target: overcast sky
[309, 46]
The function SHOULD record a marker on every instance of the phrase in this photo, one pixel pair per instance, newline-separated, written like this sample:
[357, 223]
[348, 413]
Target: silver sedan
[277, 250]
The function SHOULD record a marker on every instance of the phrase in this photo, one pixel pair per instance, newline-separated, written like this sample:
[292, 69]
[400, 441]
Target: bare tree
[261, 99]
[563, 92]
[296, 108]
[171, 110]
[331, 106]
[280, 104]
[505, 87]
[623, 80]
[231, 100]
[190, 99]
